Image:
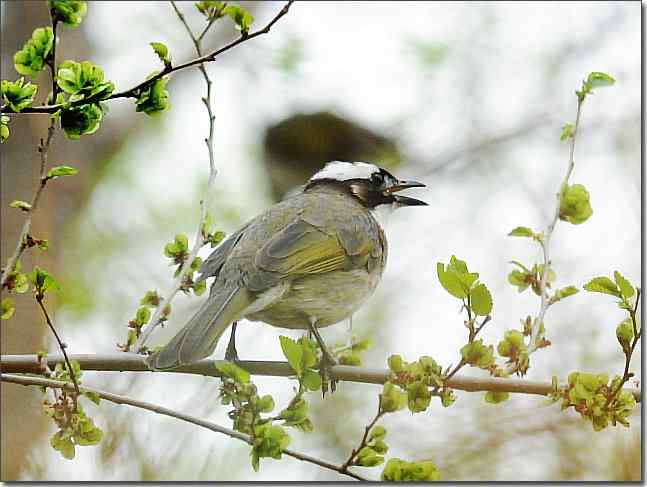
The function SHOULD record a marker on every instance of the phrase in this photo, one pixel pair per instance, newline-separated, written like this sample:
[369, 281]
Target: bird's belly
[328, 298]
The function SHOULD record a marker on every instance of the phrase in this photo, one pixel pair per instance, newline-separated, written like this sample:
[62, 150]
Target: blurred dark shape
[300, 145]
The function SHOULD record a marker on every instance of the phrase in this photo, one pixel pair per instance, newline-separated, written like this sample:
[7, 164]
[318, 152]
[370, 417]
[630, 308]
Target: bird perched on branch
[307, 262]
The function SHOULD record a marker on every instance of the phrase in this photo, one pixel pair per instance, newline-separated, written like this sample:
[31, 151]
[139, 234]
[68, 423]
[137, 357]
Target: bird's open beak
[405, 200]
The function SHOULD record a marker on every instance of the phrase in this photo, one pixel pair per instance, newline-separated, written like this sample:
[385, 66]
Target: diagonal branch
[118, 399]
[134, 91]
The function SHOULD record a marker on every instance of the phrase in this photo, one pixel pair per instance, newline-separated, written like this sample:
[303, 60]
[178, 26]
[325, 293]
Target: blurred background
[467, 97]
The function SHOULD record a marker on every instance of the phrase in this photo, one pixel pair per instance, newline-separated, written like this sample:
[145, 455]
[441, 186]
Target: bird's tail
[200, 335]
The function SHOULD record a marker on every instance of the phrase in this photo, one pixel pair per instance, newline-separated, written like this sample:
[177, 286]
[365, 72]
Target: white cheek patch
[382, 213]
[343, 171]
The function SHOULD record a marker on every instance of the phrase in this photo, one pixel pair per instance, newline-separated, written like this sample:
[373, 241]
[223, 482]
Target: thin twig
[62, 346]
[131, 362]
[204, 203]
[626, 375]
[134, 91]
[43, 149]
[118, 399]
[534, 342]
[353, 454]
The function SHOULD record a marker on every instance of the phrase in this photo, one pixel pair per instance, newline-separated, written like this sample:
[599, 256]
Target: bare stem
[206, 200]
[626, 375]
[534, 342]
[353, 454]
[62, 347]
[134, 91]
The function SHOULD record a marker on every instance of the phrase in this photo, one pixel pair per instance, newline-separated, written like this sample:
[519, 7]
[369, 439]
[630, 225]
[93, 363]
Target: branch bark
[130, 362]
[118, 399]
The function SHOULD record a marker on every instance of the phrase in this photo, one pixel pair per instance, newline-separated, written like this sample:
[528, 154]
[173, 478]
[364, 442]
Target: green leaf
[575, 206]
[233, 371]
[597, 79]
[377, 433]
[567, 131]
[142, 316]
[154, 99]
[81, 120]
[61, 171]
[32, 58]
[451, 281]
[83, 80]
[63, 444]
[396, 364]
[211, 9]
[4, 128]
[567, 291]
[311, 380]
[603, 285]
[496, 397]
[521, 232]
[418, 396]
[7, 308]
[481, 300]
[625, 286]
[293, 352]
[478, 354]
[43, 281]
[162, 52]
[70, 12]
[151, 298]
[266, 404]
[22, 205]
[397, 470]
[392, 399]
[241, 17]
[625, 334]
[17, 95]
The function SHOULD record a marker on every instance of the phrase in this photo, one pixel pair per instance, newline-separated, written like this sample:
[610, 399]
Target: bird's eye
[377, 179]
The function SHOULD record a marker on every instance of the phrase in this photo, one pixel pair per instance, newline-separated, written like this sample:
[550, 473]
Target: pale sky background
[358, 61]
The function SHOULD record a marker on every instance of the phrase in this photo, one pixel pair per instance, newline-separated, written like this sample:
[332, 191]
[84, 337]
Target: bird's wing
[212, 265]
[302, 248]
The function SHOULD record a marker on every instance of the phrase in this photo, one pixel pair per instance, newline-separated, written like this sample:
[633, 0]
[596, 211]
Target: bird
[307, 262]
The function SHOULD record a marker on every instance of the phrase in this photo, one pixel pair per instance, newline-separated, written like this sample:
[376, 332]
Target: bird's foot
[327, 361]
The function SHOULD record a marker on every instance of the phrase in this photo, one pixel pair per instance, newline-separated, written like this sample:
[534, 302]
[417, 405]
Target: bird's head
[374, 186]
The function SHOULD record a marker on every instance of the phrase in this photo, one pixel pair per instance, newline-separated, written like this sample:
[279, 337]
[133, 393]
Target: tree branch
[535, 342]
[133, 92]
[130, 362]
[118, 399]
[204, 203]
[62, 347]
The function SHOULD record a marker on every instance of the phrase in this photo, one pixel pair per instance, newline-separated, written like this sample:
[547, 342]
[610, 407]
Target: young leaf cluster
[268, 440]
[412, 385]
[464, 285]
[213, 10]
[36, 52]
[153, 99]
[70, 12]
[397, 470]
[75, 427]
[17, 95]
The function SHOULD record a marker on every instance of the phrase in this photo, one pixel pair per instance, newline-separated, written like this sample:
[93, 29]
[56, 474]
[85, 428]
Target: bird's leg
[327, 360]
[232, 354]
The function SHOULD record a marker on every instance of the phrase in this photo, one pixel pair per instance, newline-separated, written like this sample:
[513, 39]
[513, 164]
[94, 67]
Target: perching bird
[307, 262]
